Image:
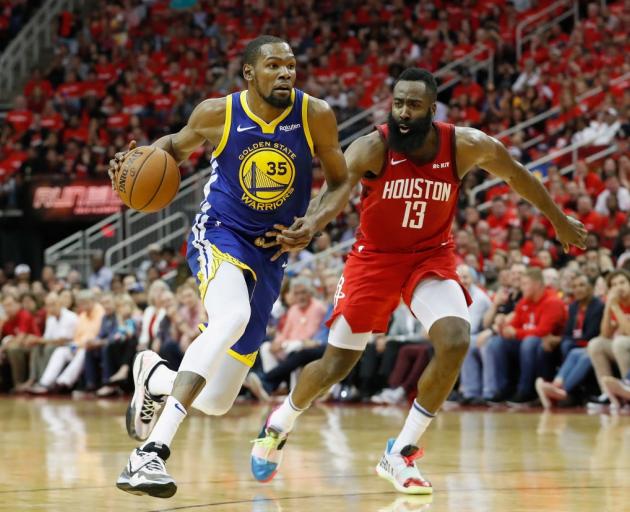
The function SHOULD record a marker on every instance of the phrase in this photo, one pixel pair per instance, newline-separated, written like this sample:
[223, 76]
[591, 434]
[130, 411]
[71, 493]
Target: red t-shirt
[22, 323]
[20, 119]
[546, 316]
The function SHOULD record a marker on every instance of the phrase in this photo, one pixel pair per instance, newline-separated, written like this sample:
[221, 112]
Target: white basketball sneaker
[143, 409]
[145, 473]
[400, 469]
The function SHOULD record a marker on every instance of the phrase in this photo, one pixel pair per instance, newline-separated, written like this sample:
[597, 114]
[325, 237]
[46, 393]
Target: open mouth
[403, 128]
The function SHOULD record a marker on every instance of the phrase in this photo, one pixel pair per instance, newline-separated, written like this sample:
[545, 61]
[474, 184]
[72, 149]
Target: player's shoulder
[474, 145]
[367, 153]
[318, 108]
[209, 113]
[467, 136]
[373, 142]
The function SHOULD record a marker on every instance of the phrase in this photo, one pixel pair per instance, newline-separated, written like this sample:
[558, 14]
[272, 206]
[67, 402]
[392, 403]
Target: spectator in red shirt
[531, 337]
[500, 217]
[592, 220]
[468, 87]
[20, 117]
[19, 323]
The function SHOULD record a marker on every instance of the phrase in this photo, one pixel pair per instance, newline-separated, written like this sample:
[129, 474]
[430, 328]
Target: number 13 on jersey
[414, 214]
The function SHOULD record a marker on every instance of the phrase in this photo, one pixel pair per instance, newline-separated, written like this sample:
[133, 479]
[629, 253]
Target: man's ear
[248, 72]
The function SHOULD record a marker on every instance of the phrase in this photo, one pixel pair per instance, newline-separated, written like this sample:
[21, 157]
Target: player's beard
[414, 138]
[274, 101]
[278, 102]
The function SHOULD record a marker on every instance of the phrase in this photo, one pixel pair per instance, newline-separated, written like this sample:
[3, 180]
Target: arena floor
[64, 455]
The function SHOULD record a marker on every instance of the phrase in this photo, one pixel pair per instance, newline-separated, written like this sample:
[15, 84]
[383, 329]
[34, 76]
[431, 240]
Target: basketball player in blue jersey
[265, 139]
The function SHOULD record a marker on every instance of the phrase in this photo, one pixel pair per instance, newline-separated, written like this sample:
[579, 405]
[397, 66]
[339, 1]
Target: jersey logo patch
[266, 175]
[240, 128]
[396, 162]
[290, 127]
[339, 292]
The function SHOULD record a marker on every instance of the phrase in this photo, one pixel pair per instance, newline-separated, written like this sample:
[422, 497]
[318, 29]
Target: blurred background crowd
[547, 325]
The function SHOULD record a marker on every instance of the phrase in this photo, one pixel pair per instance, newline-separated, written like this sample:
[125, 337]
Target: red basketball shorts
[373, 284]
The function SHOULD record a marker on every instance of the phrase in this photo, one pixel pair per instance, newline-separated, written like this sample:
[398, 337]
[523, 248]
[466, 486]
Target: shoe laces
[155, 463]
[147, 411]
[270, 442]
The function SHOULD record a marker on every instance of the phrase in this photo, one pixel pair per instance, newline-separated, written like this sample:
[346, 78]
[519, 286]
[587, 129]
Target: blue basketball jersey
[262, 172]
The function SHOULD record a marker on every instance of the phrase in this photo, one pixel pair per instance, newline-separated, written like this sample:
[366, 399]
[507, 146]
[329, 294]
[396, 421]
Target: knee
[235, 321]
[451, 337]
[596, 346]
[530, 343]
[214, 405]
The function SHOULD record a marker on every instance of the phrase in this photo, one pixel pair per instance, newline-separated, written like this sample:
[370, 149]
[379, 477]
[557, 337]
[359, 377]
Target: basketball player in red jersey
[410, 169]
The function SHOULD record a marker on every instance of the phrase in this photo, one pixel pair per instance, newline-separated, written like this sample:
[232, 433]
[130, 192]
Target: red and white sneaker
[400, 469]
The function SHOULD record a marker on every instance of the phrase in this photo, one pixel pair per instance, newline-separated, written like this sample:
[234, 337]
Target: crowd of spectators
[13, 16]
[561, 336]
[136, 69]
[546, 324]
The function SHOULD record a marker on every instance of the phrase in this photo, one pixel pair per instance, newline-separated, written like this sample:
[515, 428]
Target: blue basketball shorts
[214, 244]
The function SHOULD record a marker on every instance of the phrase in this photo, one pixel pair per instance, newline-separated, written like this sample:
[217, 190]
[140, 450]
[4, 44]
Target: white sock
[168, 423]
[283, 418]
[160, 382]
[417, 422]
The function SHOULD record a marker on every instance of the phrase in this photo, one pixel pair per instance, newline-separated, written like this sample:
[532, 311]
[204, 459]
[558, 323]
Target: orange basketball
[148, 179]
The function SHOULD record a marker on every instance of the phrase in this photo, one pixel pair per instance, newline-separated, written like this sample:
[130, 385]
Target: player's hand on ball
[571, 232]
[115, 163]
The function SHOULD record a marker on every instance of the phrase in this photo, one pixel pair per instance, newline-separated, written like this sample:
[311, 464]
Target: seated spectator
[152, 316]
[617, 391]
[471, 379]
[304, 319]
[377, 363]
[18, 326]
[101, 276]
[118, 352]
[525, 340]
[613, 345]
[614, 188]
[66, 363]
[169, 341]
[95, 347]
[311, 350]
[585, 316]
[61, 324]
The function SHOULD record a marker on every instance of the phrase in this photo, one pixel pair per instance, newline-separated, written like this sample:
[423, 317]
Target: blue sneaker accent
[262, 469]
[390, 445]
[266, 453]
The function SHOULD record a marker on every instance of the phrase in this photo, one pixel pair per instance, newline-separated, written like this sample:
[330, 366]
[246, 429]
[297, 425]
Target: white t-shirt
[62, 327]
[481, 303]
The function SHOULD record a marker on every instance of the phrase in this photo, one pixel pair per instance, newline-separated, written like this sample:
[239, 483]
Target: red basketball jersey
[410, 207]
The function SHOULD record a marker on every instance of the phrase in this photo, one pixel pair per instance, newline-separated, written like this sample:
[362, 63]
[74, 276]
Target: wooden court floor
[64, 455]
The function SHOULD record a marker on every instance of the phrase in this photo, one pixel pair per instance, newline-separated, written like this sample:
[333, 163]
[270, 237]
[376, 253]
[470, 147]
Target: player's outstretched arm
[477, 148]
[205, 123]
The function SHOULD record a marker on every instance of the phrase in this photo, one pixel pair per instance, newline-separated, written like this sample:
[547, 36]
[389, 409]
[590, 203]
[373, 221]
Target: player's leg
[440, 305]
[215, 399]
[342, 353]
[227, 303]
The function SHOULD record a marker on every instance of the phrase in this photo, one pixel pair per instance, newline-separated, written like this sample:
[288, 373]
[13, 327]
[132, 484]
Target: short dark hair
[252, 50]
[419, 75]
